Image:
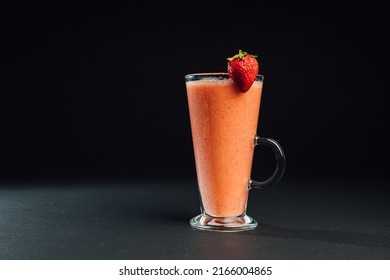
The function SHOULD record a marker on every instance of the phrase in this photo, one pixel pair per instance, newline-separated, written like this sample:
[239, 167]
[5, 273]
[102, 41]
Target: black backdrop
[97, 92]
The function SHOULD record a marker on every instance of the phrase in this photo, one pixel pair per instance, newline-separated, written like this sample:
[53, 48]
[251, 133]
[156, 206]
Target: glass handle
[280, 164]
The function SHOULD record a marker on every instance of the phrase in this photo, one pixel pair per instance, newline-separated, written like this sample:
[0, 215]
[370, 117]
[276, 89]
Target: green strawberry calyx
[241, 54]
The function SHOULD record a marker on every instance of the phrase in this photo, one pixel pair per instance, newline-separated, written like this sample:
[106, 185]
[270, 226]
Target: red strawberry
[243, 69]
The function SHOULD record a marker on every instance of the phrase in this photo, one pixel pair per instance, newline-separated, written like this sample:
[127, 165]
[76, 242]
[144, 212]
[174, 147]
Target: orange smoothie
[223, 124]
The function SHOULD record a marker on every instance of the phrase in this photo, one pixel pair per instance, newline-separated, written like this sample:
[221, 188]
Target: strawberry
[243, 69]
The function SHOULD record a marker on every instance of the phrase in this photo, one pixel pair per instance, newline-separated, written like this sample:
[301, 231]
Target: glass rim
[214, 75]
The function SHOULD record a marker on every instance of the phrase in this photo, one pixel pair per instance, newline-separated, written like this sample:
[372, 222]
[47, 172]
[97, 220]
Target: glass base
[224, 224]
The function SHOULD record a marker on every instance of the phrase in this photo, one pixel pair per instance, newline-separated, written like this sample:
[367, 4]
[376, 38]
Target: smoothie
[223, 124]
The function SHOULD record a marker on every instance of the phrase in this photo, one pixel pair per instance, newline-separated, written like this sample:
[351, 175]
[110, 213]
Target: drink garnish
[243, 69]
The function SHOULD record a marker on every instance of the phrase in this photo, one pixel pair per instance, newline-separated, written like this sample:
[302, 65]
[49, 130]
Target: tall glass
[224, 133]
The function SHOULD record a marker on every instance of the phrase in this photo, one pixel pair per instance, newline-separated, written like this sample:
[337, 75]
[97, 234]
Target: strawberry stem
[241, 54]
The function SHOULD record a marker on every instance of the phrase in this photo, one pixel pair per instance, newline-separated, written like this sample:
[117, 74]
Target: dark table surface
[339, 219]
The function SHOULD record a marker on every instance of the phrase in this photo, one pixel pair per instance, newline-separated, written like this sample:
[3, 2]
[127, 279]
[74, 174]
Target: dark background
[96, 158]
[96, 91]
